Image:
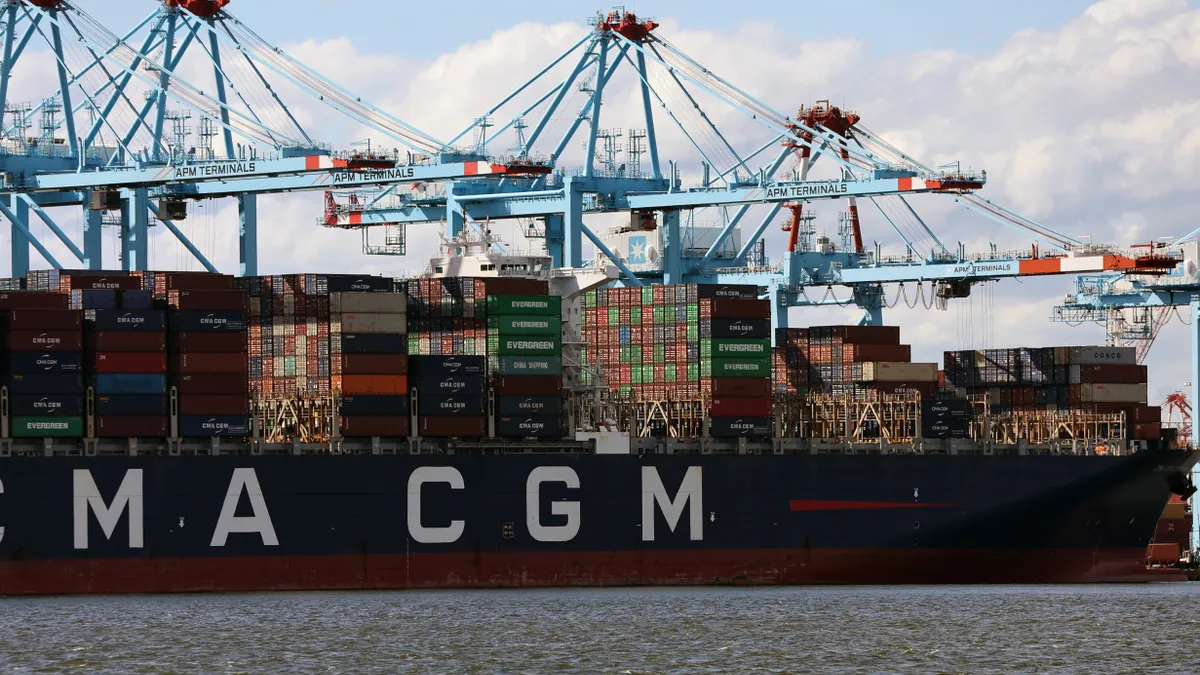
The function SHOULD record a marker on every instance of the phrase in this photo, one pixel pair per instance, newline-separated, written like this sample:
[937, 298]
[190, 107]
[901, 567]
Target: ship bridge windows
[487, 267]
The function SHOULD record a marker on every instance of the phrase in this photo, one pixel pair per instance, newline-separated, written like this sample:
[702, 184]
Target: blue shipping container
[69, 405]
[136, 405]
[42, 362]
[125, 320]
[374, 343]
[41, 383]
[370, 406]
[129, 384]
[137, 300]
[206, 427]
[97, 299]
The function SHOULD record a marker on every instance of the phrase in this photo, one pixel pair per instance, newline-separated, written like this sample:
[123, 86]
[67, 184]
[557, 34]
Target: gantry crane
[663, 241]
[114, 136]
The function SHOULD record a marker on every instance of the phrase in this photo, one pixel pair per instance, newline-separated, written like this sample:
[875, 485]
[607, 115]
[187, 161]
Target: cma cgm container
[130, 387]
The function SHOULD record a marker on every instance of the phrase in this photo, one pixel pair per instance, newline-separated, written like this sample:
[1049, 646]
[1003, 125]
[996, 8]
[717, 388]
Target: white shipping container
[1087, 356]
[896, 371]
[368, 303]
[374, 323]
[1112, 393]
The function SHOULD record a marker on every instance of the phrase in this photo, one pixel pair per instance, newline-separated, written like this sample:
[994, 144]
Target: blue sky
[425, 29]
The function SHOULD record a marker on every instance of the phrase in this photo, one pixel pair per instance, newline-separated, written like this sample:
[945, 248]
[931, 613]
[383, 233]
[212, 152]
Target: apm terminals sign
[977, 269]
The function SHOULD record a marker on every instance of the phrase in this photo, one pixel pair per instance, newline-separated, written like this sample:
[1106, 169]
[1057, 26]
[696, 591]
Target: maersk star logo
[637, 250]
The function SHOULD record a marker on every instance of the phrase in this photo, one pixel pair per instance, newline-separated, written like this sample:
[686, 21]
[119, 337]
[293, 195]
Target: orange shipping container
[1162, 553]
[375, 384]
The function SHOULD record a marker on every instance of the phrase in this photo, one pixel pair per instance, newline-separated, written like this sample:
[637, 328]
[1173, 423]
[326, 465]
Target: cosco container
[531, 365]
[207, 322]
[46, 427]
[733, 427]
[129, 384]
[54, 341]
[1086, 356]
[41, 383]
[131, 427]
[45, 405]
[517, 406]
[374, 323]
[540, 426]
[758, 329]
[140, 320]
[528, 385]
[449, 385]
[525, 305]
[42, 362]
[125, 342]
[374, 343]
[366, 405]
[445, 427]
[133, 405]
[204, 426]
[465, 405]
[366, 426]
[526, 325]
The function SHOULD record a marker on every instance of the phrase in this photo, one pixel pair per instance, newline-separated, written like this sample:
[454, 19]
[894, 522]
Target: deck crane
[821, 153]
[114, 135]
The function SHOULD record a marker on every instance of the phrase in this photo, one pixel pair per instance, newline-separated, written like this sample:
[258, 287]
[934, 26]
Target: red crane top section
[627, 24]
[45, 4]
[829, 116]
[199, 7]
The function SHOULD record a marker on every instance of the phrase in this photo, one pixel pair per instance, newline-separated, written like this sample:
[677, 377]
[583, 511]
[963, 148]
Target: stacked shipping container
[525, 355]
[450, 395]
[127, 367]
[371, 332]
[849, 361]
[208, 346]
[42, 365]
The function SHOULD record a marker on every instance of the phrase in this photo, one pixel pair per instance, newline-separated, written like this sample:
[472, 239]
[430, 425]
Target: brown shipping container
[209, 404]
[34, 300]
[528, 385]
[208, 301]
[49, 341]
[515, 286]
[45, 319]
[374, 384]
[129, 362]
[204, 362]
[741, 387]
[463, 427]
[374, 364]
[1117, 374]
[208, 342]
[212, 383]
[375, 426]
[197, 281]
[881, 335]
[128, 342]
[1146, 431]
[733, 308]
[741, 407]
[876, 352]
[131, 427]
[1162, 553]
[101, 283]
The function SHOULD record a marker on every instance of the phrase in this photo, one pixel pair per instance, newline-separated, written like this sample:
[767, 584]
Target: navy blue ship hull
[166, 524]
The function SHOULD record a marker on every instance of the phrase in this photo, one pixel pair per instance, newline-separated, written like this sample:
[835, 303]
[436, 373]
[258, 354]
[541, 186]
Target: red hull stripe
[831, 505]
[698, 567]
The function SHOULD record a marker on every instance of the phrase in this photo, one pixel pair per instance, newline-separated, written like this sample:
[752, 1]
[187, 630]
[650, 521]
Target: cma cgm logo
[637, 250]
[563, 524]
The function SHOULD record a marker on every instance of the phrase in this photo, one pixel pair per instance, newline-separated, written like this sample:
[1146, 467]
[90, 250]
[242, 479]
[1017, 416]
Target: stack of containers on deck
[208, 341]
[866, 360]
[450, 395]
[447, 317]
[126, 359]
[42, 365]
[524, 348]
[1104, 380]
[791, 362]
[740, 352]
[370, 335]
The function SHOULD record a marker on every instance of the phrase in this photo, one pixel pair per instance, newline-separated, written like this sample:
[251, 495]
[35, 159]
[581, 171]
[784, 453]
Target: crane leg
[1195, 439]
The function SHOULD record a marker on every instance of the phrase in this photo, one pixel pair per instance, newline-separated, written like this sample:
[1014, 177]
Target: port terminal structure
[112, 132]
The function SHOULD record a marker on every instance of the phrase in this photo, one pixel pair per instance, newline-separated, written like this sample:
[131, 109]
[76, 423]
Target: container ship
[491, 425]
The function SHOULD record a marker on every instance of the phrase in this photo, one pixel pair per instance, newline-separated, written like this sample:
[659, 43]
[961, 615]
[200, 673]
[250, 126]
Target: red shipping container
[194, 281]
[208, 301]
[528, 385]
[100, 283]
[734, 308]
[129, 362]
[131, 427]
[34, 300]
[213, 404]
[859, 353]
[741, 407]
[208, 342]
[375, 384]
[204, 362]
[1112, 374]
[44, 319]
[128, 342]
[362, 427]
[1146, 431]
[48, 341]
[375, 364]
[443, 427]
[514, 286]
[741, 387]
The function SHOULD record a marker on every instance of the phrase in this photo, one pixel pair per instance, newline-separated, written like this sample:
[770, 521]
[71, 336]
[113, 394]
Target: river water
[992, 629]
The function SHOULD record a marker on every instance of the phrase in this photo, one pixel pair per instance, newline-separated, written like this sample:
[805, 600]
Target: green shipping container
[635, 316]
[46, 427]
[670, 372]
[660, 353]
[741, 367]
[525, 325]
[529, 345]
[614, 316]
[693, 332]
[624, 356]
[693, 372]
[740, 349]
[647, 295]
[635, 375]
[530, 365]
[706, 348]
[525, 305]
